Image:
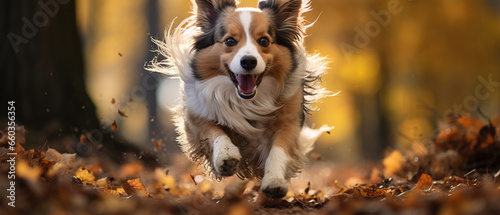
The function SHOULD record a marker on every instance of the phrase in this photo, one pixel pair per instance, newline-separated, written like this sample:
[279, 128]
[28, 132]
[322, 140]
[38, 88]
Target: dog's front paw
[226, 156]
[274, 188]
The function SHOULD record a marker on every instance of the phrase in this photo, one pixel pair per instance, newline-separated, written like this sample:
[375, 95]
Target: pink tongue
[246, 83]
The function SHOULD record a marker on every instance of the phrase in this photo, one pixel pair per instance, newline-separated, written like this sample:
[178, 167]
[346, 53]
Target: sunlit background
[400, 67]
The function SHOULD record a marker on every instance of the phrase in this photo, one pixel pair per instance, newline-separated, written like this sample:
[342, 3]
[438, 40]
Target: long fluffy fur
[215, 99]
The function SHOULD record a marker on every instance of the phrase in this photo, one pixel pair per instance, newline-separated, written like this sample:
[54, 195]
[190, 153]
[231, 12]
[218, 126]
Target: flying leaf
[122, 113]
[114, 127]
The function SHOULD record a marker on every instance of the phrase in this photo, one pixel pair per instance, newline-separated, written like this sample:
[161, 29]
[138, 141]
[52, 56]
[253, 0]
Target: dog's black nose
[248, 62]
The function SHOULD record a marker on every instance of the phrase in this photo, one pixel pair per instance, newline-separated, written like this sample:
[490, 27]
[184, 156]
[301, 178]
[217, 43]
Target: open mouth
[246, 84]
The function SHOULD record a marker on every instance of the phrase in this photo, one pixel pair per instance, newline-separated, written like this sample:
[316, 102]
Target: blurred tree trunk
[150, 80]
[42, 67]
[374, 129]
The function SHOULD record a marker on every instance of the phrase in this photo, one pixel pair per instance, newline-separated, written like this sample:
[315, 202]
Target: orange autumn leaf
[122, 113]
[425, 182]
[114, 127]
[118, 192]
[85, 175]
[112, 192]
[158, 145]
[135, 187]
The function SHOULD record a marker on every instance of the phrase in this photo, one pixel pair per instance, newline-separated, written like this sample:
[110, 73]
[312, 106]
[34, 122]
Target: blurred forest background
[401, 66]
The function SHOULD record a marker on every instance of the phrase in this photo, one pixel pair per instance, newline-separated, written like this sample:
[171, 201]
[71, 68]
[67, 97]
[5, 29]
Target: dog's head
[246, 44]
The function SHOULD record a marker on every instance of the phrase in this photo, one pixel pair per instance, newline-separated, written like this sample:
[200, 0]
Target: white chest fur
[216, 99]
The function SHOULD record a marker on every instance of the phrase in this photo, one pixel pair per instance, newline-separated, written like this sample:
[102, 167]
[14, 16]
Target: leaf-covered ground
[457, 174]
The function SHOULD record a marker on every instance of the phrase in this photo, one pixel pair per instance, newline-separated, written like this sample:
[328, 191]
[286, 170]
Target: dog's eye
[264, 42]
[230, 42]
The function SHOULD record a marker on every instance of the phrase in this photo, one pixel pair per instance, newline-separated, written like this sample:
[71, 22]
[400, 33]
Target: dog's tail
[308, 137]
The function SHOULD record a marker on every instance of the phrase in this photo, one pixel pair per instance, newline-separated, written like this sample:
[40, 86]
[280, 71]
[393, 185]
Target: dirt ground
[457, 174]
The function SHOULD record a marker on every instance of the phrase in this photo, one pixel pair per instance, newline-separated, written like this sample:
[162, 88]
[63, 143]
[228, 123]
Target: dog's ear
[287, 16]
[207, 11]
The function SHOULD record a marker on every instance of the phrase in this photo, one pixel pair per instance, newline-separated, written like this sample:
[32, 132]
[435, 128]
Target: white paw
[274, 185]
[226, 156]
[274, 188]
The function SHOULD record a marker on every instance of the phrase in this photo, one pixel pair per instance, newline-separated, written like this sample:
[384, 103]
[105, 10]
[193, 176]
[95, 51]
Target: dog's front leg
[284, 158]
[225, 156]
[277, 167]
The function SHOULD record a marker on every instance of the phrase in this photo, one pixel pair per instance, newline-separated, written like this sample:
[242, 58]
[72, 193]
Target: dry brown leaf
[118, 192]
[111, 192]
[135, 187]
[425, 182]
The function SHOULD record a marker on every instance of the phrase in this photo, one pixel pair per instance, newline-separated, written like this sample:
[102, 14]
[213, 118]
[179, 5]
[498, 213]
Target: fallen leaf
[425, 182]
[101, 182]
[85, 175]
[135, 187]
